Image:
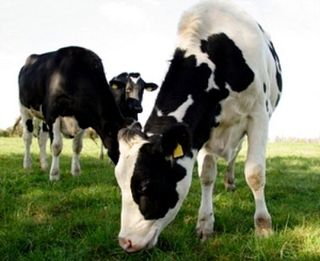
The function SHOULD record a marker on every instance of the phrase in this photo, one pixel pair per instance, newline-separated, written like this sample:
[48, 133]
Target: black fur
[83, 92]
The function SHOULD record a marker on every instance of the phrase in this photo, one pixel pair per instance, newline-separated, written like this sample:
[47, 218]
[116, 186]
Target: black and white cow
[223, 83]
[128, 89]
[68, 89]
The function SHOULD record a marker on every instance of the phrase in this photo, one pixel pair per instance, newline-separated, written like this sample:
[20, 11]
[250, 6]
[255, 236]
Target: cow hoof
[54, 175]
[205, 228]
[75, 172]
[204, 234]
[230, 187]
[27, 163]
[263, 226]
[44, 166]
[229, 184]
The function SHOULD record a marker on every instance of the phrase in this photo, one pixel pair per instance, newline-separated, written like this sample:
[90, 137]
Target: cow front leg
[77, 147]
[27, 136]
[42, 140]
[255, 174]
[56, 148]
[207, 171]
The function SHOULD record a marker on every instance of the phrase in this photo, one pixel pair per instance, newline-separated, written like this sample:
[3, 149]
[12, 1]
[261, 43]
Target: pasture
[78, 218]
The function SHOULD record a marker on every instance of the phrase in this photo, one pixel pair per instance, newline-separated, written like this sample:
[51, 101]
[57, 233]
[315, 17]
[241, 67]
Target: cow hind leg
[42, 140]
[77, 147]
[255, 175]
[229, 176]
[207, 170]
[56, 148]
[27, 122]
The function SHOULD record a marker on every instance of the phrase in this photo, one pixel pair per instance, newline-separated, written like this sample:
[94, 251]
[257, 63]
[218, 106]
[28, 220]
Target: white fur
[181, 111]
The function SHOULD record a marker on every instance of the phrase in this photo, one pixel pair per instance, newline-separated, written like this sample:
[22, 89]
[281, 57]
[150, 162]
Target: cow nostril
[126, 244]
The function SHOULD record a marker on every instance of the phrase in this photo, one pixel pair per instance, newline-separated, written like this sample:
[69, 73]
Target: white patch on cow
[159, 113]
[55, 83]
[132, 89]
[135, 79]
[180, 112]
[56, 150]
[211, 84]
[42, 140]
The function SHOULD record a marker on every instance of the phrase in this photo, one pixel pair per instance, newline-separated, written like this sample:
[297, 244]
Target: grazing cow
[68, 89]
[128, 89]
[223, 83]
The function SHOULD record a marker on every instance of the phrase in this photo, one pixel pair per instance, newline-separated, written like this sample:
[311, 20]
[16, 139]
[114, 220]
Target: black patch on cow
[277, 64]
[154, 181]
[264, 88]
[267, 105]
[231, 67]
[277, 101]
[185, 78]
[29, 125]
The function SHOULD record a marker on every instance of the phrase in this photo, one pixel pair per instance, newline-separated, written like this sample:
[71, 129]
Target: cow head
[128, 92]
[154, 175]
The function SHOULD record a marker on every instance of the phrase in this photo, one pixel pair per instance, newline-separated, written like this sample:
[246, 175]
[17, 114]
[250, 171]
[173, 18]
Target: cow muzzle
[134, 105]
[132, 244]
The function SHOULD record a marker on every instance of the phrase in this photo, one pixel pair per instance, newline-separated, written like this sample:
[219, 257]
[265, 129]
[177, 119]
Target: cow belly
[225, 139]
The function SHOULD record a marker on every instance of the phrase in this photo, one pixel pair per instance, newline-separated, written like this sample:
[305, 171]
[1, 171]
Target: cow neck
[184, 97]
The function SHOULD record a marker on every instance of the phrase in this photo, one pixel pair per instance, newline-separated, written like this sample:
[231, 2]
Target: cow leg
[101, 156]
[207, 170]
[42, 140]
[255, 173]
[56, 148]
[27, 122]
[229, 175]
[76, 147]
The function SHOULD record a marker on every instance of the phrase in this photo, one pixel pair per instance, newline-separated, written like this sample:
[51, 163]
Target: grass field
[78, 218]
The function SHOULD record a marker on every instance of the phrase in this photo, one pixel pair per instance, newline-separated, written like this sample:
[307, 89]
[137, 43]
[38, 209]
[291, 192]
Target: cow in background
[68, 90]
[128, 90]
[223, 84]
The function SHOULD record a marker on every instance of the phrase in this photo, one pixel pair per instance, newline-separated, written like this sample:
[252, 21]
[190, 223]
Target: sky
[140, 36]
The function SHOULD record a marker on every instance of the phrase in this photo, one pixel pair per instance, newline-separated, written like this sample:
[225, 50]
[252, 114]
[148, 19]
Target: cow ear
[176, 141]
[150, 86]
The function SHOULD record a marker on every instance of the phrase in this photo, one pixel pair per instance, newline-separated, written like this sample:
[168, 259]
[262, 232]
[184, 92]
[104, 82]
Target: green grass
[78, 218]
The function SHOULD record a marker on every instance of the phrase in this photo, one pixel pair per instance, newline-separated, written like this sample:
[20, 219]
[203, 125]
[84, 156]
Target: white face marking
[132, 89]
[135, 79]
[180, 112]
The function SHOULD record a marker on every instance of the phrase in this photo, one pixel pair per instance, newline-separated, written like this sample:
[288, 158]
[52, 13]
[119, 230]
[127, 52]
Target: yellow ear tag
[178, 151]
[114, 87]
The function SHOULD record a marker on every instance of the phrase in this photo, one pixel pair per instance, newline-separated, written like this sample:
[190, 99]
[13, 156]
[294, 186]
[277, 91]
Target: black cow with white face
[128, 89]
[223, 84]
[68, 89]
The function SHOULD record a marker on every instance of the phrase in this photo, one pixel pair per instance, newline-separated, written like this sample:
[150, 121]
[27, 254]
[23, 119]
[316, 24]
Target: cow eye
[114, 87]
